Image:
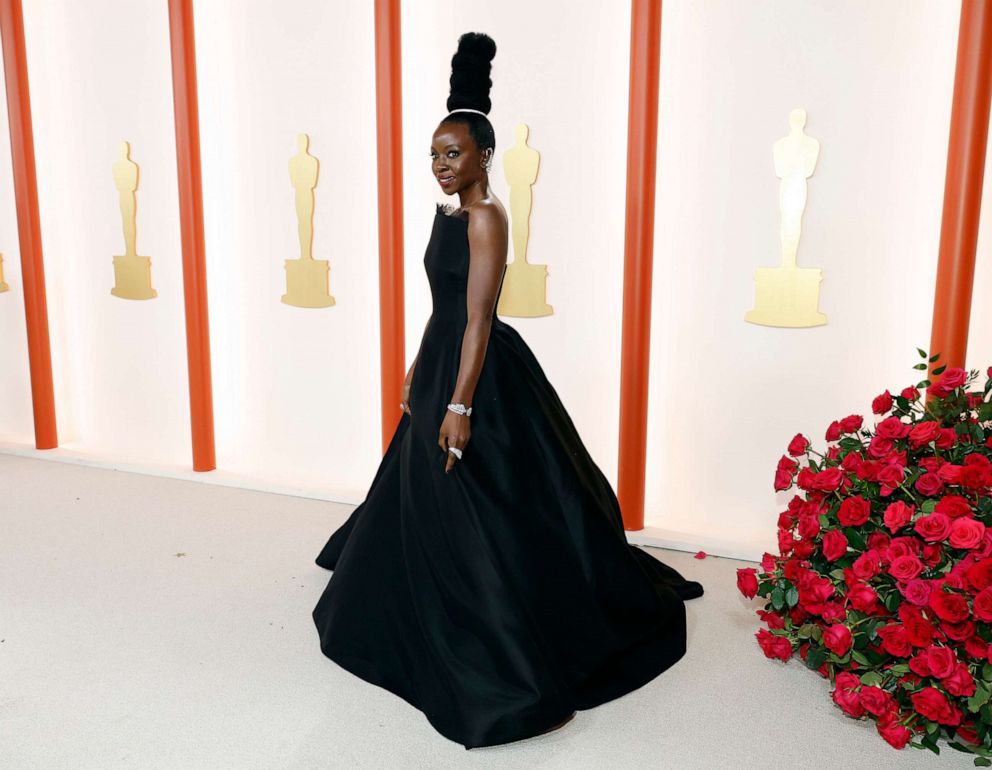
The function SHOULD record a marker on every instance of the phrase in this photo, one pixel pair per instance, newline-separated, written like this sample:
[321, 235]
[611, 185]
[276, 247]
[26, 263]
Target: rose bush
[883, 581]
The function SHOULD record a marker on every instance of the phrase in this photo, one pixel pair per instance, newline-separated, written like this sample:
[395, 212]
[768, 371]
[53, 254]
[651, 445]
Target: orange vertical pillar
[186, 111]
[642, 151]
[963, 184]
[389, 127]
[15, 69]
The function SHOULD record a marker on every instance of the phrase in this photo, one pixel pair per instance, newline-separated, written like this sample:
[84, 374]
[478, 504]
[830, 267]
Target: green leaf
[980, 698]
[837, 574]
[871, 678]
[928, 506]
[983, 762]
[892, 601]
[924, 384]
[860, 657]
[922, 352]
[792, 597]
[778, 598]
[921, 367]
[815, 657]
[939, 370]
[854, 538]
[987, 672]
[934, 358]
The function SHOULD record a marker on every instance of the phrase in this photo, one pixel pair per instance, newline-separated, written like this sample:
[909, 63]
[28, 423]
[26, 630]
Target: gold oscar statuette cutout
[787, 295]
[132, 274]
[524, 285]
[307, 278]
[3, 286]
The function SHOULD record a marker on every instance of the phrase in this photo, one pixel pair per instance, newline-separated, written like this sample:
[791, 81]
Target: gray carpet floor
[148, 622]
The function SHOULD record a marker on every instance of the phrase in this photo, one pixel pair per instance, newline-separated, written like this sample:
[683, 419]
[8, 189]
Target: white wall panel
[16, 423]
[726, 396]
[296, 391]
[100, 74]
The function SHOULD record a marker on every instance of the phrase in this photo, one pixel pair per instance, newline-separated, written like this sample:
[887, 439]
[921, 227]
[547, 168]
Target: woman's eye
[452, 154]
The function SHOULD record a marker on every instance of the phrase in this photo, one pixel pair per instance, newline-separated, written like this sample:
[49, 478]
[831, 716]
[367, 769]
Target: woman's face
[455, 158]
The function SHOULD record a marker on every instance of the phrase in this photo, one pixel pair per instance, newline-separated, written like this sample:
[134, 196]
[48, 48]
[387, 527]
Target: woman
[486, 578]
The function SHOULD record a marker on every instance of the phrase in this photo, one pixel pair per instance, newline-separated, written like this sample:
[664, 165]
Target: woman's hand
[405, 401]
[455, 432]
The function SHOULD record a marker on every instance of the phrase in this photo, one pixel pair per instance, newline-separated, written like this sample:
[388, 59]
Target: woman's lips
[445, 181]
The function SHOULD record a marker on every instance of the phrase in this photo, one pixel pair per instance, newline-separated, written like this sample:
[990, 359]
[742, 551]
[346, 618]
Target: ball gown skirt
[502, 596]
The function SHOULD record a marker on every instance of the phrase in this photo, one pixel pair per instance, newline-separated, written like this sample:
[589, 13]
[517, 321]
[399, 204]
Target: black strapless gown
[503, 596]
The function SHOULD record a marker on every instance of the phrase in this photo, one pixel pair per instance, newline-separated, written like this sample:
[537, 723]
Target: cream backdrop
[100, 75]
[296, 391]
[15, 388]
[727, 396]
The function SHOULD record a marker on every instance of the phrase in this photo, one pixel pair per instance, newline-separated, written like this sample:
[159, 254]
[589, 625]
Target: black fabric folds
[501, 597]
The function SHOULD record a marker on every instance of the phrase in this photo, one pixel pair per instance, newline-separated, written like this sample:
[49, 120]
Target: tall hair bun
[470, 68]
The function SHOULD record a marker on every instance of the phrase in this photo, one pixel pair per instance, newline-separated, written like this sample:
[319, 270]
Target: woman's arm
[487, 239]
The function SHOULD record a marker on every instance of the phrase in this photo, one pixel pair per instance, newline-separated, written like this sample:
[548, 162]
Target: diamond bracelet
[460, 409]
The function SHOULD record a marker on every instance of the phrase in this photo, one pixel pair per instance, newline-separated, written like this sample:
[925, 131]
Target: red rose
[980, 574]
[783, 480]
[948, 438]
[932, 554]
[747, 581]
[966, 533]
[897, 516]
[879, 541]
[768, 562]
[863, 598]
[809, 526]
[853, 511]
[933, 704]
[891, 476]
[910, 394]
[851, 424]
[950, 607]
[968, 734]
[880, 447]
[976, 647]
[973, 478]
[845, 694]
[929, 484]
[918, 664]
[786, 463]
[952, 379]
[919, 630]
[786, 542]
[923, 433]
[940, 660]
[894, 732]
[881, 404]
[892, 428]
[933, 528]
[798, 445]
[774, 646]
[982, 608]
[773, 619]
[803, 549]
[895, 640]
[834, 545]
[827, 480]
[877, 701]
[905, 568]
[954, 506]
[867, 565]
[959, 632]
[837, 638]
[833, 431]
[916, 592]
[960, 682]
